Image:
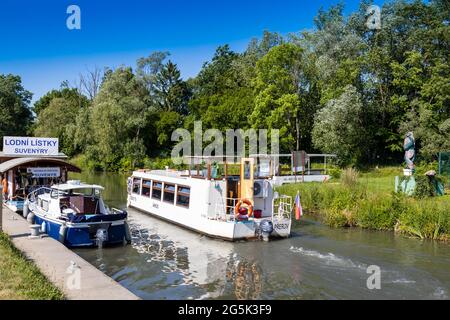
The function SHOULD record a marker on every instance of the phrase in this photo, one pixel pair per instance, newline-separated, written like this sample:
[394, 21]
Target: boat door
[247, 178]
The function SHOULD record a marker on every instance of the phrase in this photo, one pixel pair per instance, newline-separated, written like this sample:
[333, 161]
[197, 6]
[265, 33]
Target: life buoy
[238, 207]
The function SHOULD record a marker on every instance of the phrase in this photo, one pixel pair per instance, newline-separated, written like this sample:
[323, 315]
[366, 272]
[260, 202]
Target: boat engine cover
[266, 226]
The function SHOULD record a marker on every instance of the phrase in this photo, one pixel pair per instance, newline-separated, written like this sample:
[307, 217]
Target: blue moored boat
[75, 214]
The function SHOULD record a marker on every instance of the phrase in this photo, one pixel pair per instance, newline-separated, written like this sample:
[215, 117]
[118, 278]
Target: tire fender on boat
[30, 217]
[127, 232]
[25, 209]
[43, 227]
[62, 233]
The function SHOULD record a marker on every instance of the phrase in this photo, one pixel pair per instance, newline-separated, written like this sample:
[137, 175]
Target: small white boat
[230, 207]
[74, 213]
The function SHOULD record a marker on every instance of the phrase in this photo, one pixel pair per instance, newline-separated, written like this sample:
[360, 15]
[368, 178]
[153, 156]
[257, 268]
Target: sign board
[30, 146]
[53, 172]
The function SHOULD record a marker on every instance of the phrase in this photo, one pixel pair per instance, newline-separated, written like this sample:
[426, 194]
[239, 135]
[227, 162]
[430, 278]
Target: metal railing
[282, 207]
[32, 196]
[224, 211]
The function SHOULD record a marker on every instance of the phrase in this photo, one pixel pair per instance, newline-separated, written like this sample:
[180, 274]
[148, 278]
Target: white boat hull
[230, 230]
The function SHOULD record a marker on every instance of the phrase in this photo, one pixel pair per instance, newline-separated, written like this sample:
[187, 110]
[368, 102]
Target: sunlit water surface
[167, 262]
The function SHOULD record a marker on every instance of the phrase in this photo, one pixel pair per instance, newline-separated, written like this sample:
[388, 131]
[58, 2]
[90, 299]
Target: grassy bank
[368, 201]
[20, 279]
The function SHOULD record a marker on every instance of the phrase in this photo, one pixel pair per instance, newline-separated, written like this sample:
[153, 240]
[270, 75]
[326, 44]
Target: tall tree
[15, 114]
[338, 127]
[117, 119]
[171, 92]
[278, 88]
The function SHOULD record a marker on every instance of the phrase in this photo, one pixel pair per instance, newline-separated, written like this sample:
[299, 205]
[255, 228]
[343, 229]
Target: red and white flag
[298, 207]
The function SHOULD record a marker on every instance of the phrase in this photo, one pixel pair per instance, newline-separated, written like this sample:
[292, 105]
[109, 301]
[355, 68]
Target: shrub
[379, 212]
[349, 177]
[425, 219]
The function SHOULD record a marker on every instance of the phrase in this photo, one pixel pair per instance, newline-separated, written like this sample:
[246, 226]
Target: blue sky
[36, 44]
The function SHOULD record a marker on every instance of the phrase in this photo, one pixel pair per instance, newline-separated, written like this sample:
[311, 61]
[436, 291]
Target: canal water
[317, 262]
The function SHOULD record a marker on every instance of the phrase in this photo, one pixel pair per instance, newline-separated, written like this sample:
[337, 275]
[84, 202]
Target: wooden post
[226, 170]
[1, 210]
[294, 165]
[209, 170]
[303, 166]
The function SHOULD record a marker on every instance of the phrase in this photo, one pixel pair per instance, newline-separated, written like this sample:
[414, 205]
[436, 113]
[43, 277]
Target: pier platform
[78, 279]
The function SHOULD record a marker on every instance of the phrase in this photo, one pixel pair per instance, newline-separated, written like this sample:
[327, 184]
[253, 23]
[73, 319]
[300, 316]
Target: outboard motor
[266, 227]
[101, 236]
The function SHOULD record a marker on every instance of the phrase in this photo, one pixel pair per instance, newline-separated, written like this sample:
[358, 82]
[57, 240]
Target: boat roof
[75, 185]
[16, 162]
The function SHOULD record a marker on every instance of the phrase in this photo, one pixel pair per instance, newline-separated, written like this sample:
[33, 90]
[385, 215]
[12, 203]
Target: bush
[425, 219]
[379, 212]
[350, 204]
[349, 177]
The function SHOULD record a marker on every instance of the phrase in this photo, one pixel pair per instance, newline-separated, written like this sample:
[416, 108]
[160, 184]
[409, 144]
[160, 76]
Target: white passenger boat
[230, 207]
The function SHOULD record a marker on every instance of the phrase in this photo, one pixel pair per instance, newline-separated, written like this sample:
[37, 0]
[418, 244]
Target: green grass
[20, 279]
[369, 202]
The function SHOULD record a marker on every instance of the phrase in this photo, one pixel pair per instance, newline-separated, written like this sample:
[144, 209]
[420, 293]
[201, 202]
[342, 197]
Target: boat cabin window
[137, 185]
[169, 193]
[157, 190]
[247, 170]
[146, 187]
[44, 205]
[183, 196]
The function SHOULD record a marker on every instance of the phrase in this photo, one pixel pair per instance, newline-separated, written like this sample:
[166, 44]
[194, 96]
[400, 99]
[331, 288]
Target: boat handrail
[32, 195]
[223, 211]
[282, 207]
[117, 211]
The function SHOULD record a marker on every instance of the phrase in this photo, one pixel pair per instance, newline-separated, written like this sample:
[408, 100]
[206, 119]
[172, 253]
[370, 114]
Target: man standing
[5, 187]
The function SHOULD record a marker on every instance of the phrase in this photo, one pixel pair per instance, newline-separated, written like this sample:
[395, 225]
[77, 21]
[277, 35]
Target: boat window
[137, 185]
[157, 190]
[146, 186]
[44, 205]
[183, 196]
[169, 193]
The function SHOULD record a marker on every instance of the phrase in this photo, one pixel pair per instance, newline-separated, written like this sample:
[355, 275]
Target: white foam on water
[403, 281]
[440, 293]
[329, 258]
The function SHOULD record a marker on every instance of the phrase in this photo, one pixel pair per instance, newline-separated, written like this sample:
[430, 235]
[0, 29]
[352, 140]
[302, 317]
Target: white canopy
[76, 185]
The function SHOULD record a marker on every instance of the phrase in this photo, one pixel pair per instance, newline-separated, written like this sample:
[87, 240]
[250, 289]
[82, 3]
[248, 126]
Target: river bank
[370, 203]
[20, 278]
[74, 277]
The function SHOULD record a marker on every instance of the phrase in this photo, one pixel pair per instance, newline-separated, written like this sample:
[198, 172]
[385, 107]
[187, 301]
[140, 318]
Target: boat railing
[32, 196]
[282, 207]
[224, 210]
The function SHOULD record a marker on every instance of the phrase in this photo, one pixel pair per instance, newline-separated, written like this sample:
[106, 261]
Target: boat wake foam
[329, 258]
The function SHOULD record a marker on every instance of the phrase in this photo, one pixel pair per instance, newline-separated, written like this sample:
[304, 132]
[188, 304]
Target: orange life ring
[238, 206]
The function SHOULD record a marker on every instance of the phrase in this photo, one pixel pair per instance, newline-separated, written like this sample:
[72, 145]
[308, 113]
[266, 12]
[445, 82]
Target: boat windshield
[88, 192]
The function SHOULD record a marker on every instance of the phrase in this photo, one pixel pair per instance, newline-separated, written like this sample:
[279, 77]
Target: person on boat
[5, 187]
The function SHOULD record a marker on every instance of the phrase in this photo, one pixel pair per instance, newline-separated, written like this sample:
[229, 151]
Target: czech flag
[298, 207]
